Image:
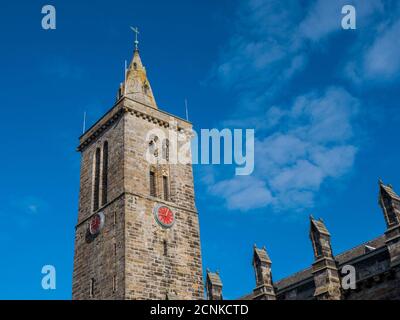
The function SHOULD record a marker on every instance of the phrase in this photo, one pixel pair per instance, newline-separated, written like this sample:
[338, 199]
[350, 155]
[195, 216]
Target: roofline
[127, 98]
[376, 251]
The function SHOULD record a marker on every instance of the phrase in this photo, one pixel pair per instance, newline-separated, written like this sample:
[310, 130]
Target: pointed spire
[319, 226]
[320, 239]
[213, 285]
[262, 267]
[260, 255]
[389, 201]
[324, 269]
[137, 86]
[388, 191]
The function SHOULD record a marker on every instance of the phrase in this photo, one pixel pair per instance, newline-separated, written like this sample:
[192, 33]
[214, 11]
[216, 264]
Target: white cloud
[328, 116]
[324, 17]
[273, 116]
[281, 149]
[296, 200]
[304, 143]
[314, 142]
[303, 175]
[334, 162]
[374, 57]
[382, 60]
[265, 47]
[272, 40]
[243, 192]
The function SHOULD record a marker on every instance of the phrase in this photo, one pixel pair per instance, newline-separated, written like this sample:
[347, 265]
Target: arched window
[153, 146]
[96, 189]
[105, 174]
[165, 149]
[152, 183]
[166, 188]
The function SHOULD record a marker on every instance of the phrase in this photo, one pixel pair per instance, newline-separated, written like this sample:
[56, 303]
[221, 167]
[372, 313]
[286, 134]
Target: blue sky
[323, 102]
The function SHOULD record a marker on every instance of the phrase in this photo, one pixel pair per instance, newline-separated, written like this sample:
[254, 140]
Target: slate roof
[342, 258]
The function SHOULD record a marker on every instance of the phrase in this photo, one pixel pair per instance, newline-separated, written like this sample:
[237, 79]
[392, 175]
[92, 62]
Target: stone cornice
[99, 127]
[136, 108]
[154, 115]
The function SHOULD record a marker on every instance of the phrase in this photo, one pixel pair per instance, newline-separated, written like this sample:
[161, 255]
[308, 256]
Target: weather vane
[136, 31]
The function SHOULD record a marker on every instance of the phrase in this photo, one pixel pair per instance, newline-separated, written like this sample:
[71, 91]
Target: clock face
[96, 223]
[164, 216]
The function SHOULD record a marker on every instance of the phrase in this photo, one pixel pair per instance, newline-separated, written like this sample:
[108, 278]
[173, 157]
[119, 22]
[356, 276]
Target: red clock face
[96, 223]
[164, 216]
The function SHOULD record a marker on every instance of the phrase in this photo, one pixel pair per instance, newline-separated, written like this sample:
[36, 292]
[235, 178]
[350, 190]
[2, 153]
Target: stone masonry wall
[114, 136]
[152, 273]
[102, 257]
[133, 257]
[375, 280]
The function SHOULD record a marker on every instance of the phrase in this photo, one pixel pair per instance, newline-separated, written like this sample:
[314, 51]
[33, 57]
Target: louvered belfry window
[152, 184]
[105, 174]
[96, 190]
[165, 187]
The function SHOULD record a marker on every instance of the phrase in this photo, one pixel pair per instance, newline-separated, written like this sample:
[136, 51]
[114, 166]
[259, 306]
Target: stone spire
[390, 204]
[213, 285]
[262, 267]
[320, 239]
[137, 86]
[324, 269]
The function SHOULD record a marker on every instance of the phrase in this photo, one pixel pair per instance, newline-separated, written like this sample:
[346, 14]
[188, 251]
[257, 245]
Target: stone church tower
[137, 235]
